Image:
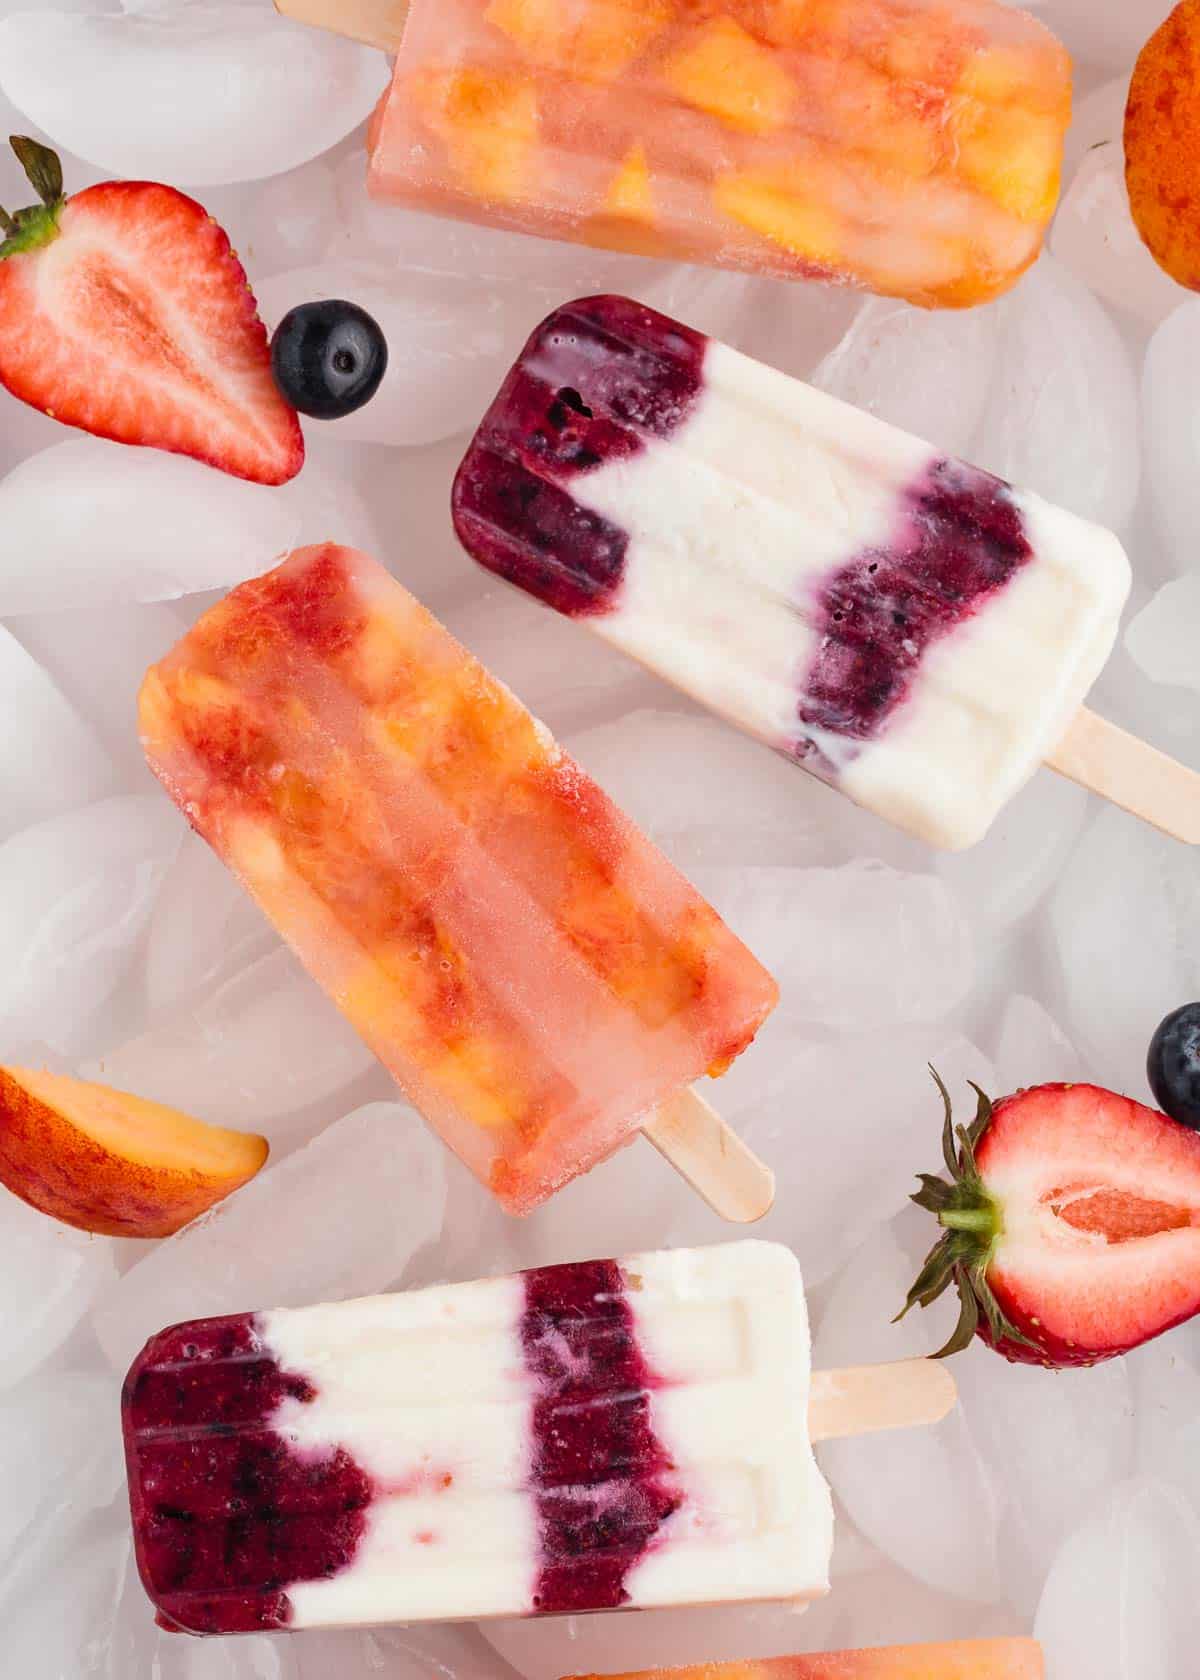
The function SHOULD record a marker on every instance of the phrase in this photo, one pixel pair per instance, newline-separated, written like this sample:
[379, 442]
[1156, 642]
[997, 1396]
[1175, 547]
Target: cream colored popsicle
[909, 146]
[611, 1434]
[905, 626]
[535, 975]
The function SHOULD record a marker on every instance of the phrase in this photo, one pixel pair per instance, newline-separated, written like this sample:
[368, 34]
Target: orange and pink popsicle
[968, 1659]
[912, 147]
[533, 973]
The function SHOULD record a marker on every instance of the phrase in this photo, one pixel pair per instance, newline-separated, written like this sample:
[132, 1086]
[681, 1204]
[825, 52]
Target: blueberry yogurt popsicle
[581, 1437]
[904, 625]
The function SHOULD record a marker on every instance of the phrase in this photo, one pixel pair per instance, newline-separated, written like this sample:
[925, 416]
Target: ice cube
[449, 344]
[76, 893]
[290, 220]
[845, 1126]
[205, 928]
[622, 1206]
[1032, 1049]
[545, 1648]
[1062, 417]
[341, 1217]
[793, 325]
[1003, 878]
[50, 760]
[60, 1273]
[1120, 1602]
[1166, 1400]
[1096, 118]
[930, 1504]
[1162, 638]
[91, 523]
[1108, 35]
[860, 943]
[1125, 958]
[1171, 404]
[558, 669]
[1094, 235]
[98, 657]
[1051, 1447]
[886, 1606]
[737, 800]
[262, 1042]
[191, 95]
[58, 1608]
[927, 371]
[60, 1456]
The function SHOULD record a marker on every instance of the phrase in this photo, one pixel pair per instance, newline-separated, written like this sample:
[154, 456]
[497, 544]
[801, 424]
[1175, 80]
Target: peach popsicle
[534, 974]
[965, 1659]
[912, 147]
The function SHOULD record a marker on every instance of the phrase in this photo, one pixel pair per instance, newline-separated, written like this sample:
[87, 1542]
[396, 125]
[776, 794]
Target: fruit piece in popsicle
[534, 974]
[585, 1437]
[112, 1163]
[1162, 144]
[907, 627]
[966, 1659]
[907, 146]
[124, 311]
[1070, 1225]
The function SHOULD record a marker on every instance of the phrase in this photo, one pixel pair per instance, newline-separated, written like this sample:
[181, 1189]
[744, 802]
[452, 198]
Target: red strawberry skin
[137, 323]
[1100, 1198]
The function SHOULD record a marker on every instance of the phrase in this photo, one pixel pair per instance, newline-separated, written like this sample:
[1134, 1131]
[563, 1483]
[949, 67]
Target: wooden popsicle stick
[705, 1151]
[377, 23]
[1131, 774]
[864, 1398]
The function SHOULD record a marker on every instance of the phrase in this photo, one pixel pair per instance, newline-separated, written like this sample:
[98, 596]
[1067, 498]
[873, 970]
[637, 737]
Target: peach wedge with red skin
[111, 1163]
[1162, 145]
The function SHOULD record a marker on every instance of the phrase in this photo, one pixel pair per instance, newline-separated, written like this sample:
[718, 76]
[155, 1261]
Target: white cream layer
[768, 488]
[726, 1330]
[429, 1393]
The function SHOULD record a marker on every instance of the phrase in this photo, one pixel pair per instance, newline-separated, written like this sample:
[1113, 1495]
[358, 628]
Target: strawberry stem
[972, 1221]
[969, 1219]
[30, 229]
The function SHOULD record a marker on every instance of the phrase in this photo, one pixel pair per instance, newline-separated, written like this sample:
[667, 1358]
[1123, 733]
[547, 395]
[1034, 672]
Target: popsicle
[536, 976]
[909, 146]
[903, 625]
[582, 1437]
[966, 1659]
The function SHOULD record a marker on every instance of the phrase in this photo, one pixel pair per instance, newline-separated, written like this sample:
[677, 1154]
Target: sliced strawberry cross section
[125, 312]
[1071, 1225]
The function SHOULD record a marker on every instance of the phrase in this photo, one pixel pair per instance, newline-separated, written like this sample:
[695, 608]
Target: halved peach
[112, 1163]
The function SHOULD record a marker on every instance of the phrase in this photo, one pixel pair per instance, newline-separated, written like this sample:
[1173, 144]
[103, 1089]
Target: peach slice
[112, 1163]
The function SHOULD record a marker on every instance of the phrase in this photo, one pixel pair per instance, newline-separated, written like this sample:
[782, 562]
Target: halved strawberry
[1071, 1221]
[125, 312]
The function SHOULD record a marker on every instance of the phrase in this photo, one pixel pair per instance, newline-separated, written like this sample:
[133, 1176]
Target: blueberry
[328, 358]
[1173, 1065]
